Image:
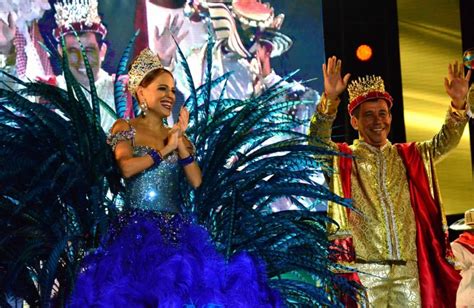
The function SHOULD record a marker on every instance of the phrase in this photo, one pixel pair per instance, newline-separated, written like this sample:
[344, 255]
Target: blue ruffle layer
[146, 267]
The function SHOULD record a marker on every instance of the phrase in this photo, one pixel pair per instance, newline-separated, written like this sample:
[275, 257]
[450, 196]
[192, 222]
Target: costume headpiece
[78, 16]
[367, 88]
[258, 19]
[466, 223]
[146, 62]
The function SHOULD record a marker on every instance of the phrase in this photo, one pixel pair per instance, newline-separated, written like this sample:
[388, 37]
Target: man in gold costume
[396, 234]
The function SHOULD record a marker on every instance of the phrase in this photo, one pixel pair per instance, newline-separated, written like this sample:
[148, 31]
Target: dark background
[348, 24]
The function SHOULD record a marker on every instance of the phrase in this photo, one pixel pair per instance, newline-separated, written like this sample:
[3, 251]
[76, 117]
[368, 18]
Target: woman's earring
[144, 107]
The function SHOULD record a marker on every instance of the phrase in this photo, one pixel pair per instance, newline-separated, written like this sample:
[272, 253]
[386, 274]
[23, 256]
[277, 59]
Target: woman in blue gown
[154, 256]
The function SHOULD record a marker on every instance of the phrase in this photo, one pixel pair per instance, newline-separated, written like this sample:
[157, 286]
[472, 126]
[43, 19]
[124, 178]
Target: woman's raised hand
[173, 136]
[183, 120]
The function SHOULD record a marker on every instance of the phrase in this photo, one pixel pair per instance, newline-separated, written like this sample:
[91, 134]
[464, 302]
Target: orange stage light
[364, 52]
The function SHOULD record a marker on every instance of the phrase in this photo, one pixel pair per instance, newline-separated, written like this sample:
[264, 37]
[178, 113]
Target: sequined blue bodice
[155, 188]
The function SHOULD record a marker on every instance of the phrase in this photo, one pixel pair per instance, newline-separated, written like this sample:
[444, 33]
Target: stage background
[303, 23]
[430, 38]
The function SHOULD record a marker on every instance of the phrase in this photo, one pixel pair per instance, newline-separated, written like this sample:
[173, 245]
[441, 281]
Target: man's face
[374, 122]
[94, 54]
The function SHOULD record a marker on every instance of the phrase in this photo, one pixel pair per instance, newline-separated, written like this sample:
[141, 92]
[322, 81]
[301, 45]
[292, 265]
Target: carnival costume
[26, 59]
[233, 52]
[397, 228]
[74, 18]
[105, 91]
[158, 257]
[56, 215]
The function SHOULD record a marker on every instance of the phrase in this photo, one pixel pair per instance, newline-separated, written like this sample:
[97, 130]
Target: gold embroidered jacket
[385, 229]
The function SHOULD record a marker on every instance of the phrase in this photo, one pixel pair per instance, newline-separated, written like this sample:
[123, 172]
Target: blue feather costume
[156, 257]
[59, 226]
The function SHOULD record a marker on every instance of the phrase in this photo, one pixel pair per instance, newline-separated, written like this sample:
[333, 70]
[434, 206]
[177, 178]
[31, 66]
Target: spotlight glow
[364, 52]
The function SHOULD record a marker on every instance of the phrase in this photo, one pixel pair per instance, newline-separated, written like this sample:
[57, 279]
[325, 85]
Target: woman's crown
[146, 62]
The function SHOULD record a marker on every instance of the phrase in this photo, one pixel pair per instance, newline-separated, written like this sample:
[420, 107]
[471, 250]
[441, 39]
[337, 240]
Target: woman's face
[160, 94]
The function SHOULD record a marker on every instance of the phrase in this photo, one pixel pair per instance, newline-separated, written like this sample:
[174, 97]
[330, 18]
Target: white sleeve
[273, 78]
[459, 254]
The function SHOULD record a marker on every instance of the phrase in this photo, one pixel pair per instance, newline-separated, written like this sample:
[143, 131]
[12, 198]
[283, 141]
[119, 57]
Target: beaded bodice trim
[114, 139]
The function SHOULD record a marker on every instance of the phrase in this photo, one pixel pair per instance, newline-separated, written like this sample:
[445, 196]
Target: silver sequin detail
[114, 139]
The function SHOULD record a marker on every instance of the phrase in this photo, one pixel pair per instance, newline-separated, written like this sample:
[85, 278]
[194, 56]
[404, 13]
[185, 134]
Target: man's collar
[358, 142]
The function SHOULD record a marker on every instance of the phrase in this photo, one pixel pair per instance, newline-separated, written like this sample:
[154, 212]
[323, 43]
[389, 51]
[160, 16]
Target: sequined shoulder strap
[114, 139]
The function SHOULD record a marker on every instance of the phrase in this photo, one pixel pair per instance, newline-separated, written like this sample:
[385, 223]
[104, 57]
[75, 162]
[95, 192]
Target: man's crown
[364, 85]
[146, 62]
[367, 88]
[78, 15]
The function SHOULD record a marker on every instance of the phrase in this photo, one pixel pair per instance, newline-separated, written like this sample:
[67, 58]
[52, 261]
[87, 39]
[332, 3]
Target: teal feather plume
[57, 171]
[251, 157]
[120, 88]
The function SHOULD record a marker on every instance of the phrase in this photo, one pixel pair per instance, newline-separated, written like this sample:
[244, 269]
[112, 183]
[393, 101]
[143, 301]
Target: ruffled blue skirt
[162, 260]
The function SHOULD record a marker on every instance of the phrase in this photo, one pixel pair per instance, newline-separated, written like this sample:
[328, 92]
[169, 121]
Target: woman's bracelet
[156, 156]
[186, 161]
